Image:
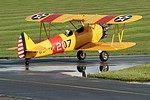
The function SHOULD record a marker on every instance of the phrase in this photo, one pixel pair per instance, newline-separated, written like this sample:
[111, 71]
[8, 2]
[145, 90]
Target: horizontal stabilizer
[37, 49]
[12, 48]
[108, 46]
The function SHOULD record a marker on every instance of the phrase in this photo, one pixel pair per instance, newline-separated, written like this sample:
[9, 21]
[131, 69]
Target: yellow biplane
[86, 37]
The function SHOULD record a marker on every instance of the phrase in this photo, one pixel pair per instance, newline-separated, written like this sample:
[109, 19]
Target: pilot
[105, 30]
[68, 32]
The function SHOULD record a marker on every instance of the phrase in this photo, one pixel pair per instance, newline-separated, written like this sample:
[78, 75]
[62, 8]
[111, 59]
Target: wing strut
[120, 33]
[73, 25]
[46, 32]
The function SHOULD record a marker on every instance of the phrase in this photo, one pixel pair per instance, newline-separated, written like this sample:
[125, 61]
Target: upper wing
[108, 46]
[91, 19]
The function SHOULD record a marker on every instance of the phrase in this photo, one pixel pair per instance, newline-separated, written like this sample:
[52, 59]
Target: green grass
[138, 73]
[13, 13]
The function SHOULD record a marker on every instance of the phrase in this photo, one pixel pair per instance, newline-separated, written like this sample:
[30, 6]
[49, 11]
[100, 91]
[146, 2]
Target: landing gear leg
[27, 64]
[103, 56]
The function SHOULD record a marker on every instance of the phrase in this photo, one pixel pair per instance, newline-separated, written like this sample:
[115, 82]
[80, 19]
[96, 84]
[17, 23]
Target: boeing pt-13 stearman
[93, 29]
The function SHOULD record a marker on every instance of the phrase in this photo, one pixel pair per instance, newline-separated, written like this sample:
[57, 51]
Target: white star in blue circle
[39, 16]
[122, 18]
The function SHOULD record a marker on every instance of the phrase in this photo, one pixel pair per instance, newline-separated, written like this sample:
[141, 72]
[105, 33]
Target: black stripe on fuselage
[81, 46]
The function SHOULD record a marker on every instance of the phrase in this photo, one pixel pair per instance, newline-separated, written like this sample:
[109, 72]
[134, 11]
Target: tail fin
[24, 43]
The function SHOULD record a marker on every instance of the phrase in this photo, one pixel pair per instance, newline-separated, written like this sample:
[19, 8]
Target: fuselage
[62, 43]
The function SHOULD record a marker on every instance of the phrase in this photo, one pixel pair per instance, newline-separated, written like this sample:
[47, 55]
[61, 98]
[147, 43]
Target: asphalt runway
[61, 79]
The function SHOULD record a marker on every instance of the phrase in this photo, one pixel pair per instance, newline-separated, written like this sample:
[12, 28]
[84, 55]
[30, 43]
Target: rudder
[24, 43]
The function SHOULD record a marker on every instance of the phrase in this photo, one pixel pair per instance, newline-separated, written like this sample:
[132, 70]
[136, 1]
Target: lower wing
[108, 46]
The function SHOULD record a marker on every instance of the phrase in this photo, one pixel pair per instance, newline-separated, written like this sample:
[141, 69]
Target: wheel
[81, 55]
[81, 68]
[27, 64]
[104, 68]
[104, 56]
[27, 67]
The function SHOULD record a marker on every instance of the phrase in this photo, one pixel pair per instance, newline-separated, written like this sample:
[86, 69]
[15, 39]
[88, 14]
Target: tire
[104, 56]
[104, 68]
[81, 68]
[81, 55]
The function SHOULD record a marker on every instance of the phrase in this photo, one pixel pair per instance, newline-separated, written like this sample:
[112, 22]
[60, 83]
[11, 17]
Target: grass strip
[14, 12]
[139, 73]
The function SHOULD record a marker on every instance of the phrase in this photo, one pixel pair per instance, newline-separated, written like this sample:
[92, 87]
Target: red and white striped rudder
[21, 47]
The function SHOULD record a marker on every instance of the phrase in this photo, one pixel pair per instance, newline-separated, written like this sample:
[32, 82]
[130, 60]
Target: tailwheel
[27, 64]
[104, 56]
[81, 55]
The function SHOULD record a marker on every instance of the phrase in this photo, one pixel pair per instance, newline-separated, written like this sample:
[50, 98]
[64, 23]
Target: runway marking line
[76, 86]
